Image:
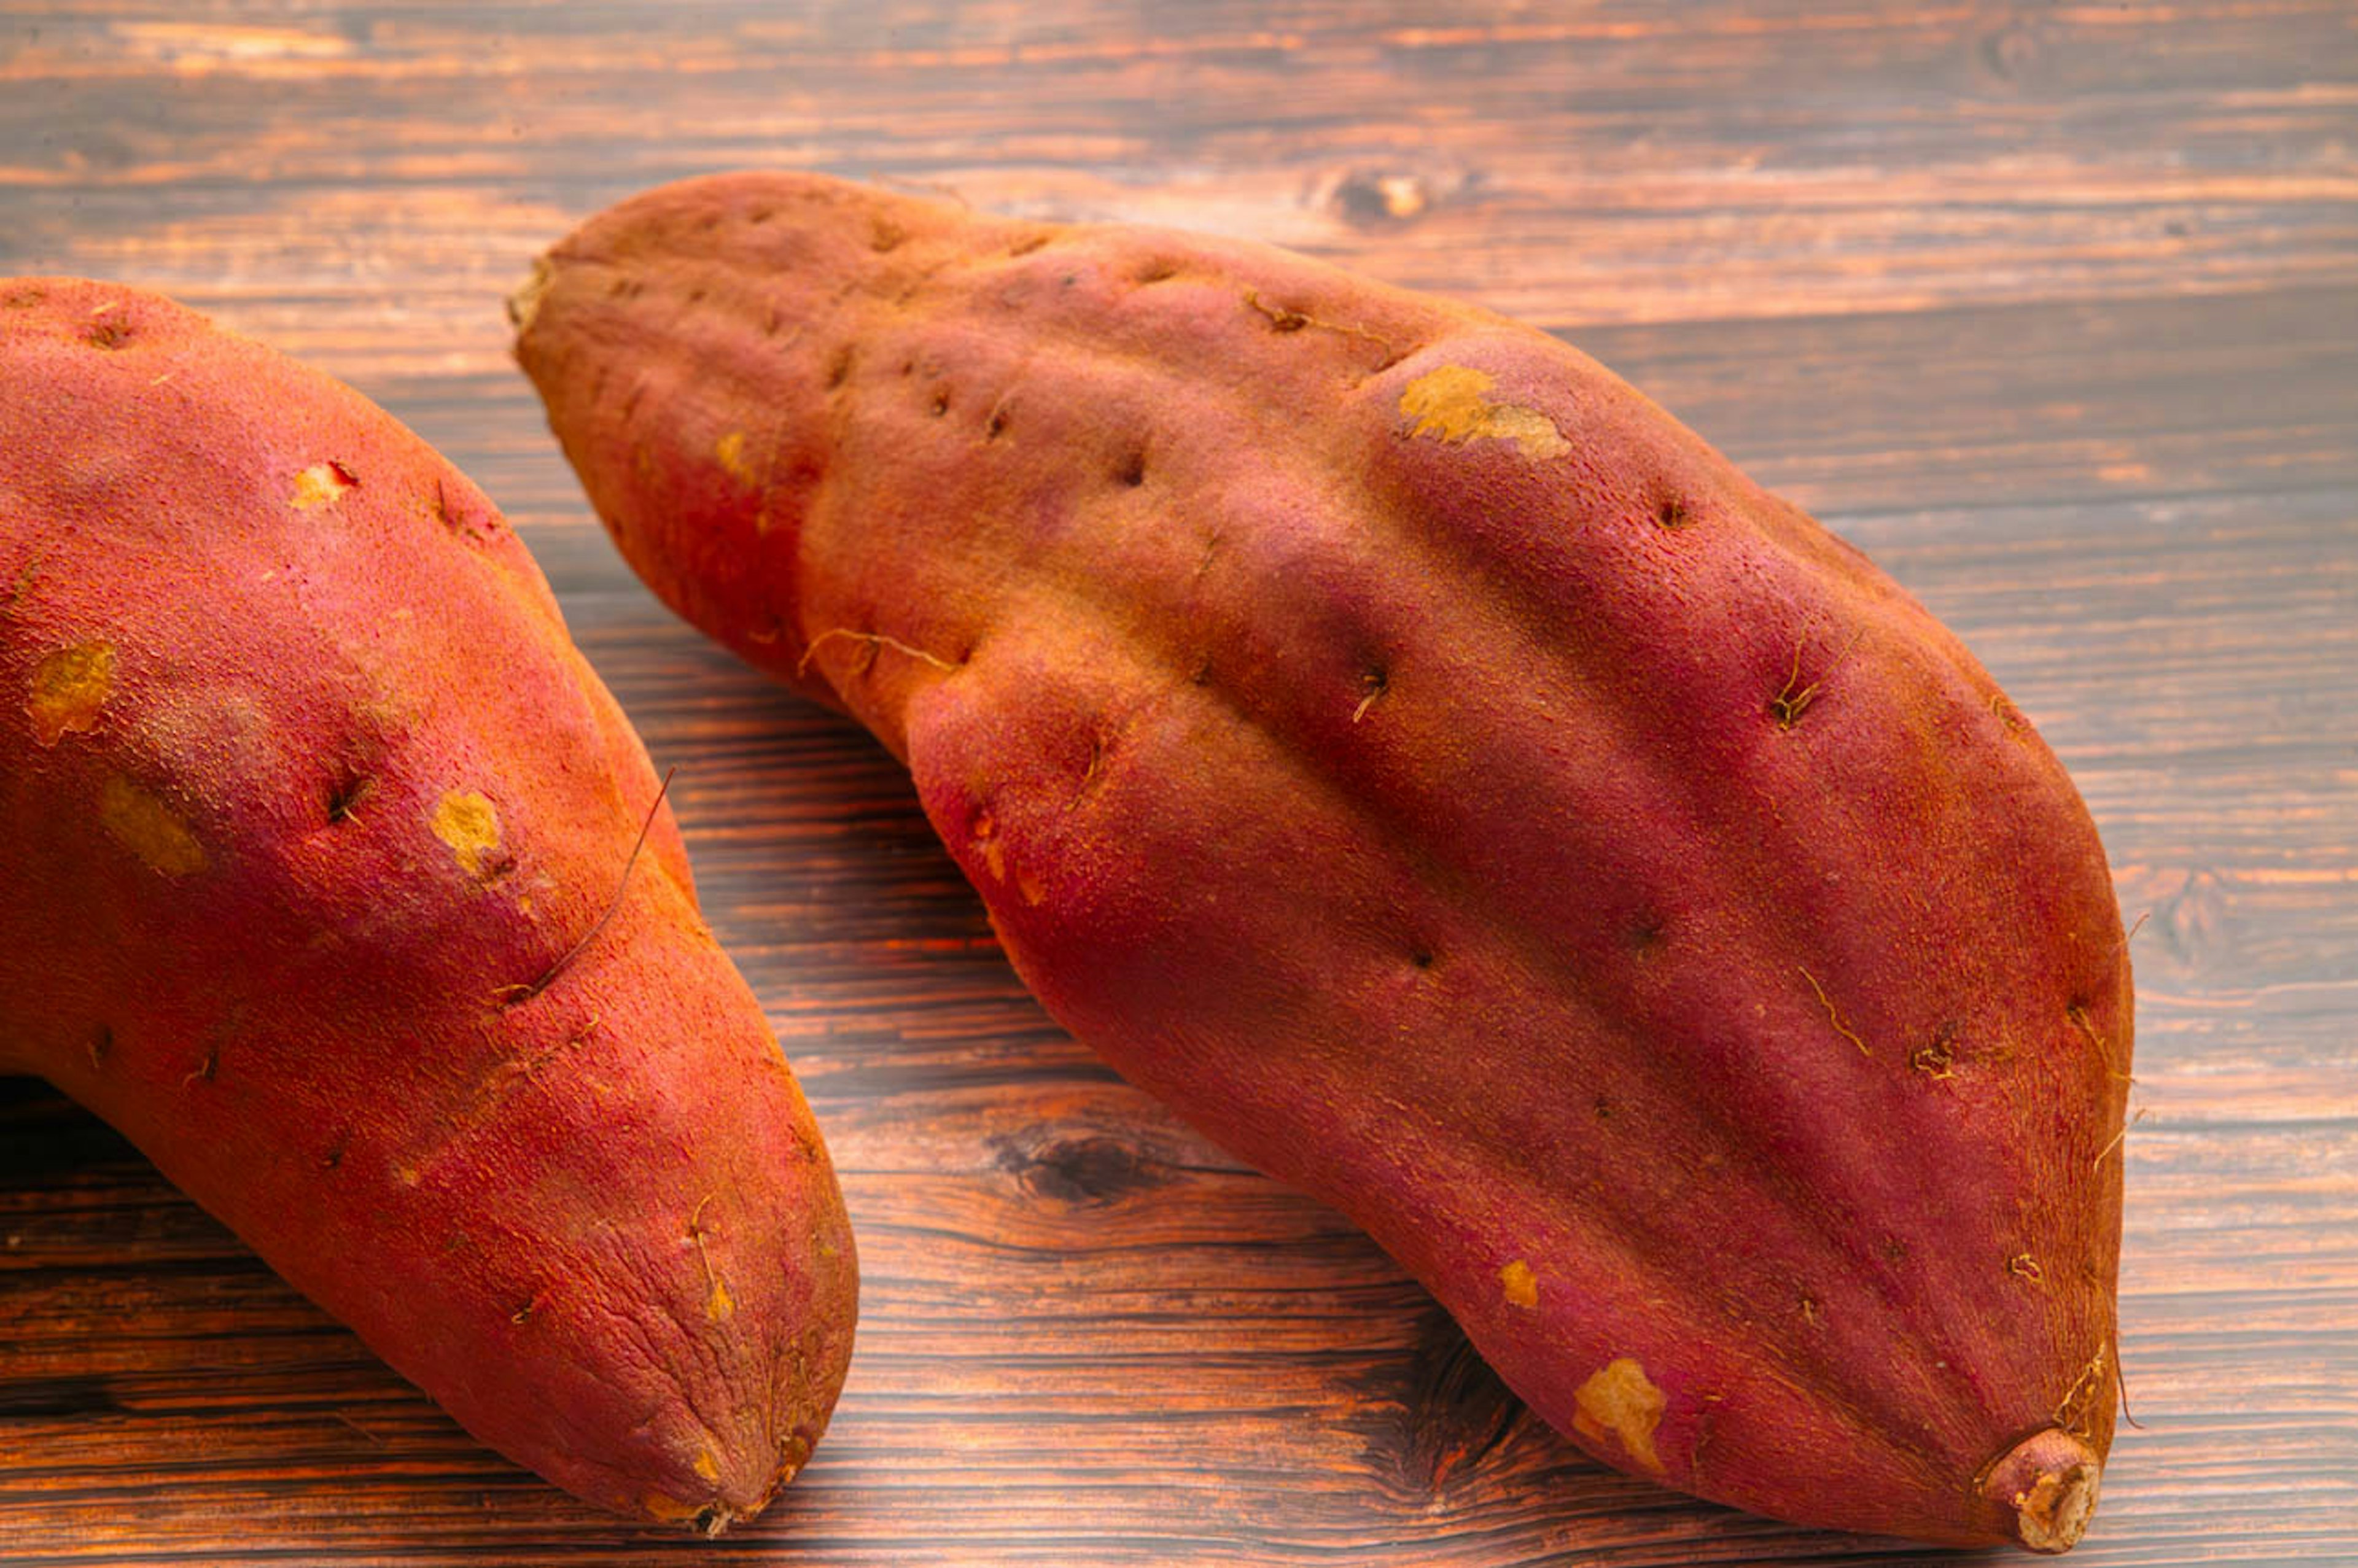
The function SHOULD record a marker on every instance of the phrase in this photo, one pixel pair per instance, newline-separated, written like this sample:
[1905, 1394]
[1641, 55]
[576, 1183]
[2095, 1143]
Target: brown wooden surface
[2054, 308]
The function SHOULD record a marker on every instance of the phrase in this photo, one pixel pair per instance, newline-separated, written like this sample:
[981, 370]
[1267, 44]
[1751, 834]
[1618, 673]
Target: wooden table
[2053, 308]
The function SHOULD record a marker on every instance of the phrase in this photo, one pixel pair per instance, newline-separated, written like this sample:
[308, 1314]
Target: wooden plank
[1625, 162]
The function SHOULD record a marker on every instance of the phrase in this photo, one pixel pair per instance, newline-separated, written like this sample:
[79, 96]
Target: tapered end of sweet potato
[2042, 1492]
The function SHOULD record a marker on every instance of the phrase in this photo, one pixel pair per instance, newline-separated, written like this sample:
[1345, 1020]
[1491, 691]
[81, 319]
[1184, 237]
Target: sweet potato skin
[1388, 737]
[313, 812]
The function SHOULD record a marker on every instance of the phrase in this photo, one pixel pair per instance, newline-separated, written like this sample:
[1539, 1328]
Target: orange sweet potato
[322, 889]
[1387, 736]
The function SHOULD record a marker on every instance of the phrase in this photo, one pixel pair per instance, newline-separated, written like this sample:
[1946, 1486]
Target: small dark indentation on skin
[1421, 956]
[1027, 244]
[759, 216]
[205, 1069]
[1159, 272]
[1645, 934]
[1092, 1170]
[1603, 1109]
[708, 223]
[1201, 674]
[908, 367]
[1672, 513]
[1072, 279]
[1793, 699]
[695, 296]
[345, 795]
[941, 404]
[335, 1156]
[109, 333]
[23, 299]
[996, 426]
[839, 369]
[1372, 686]
[1894, 1249]
[1132, 472]
[1282, 318]
[887, 237]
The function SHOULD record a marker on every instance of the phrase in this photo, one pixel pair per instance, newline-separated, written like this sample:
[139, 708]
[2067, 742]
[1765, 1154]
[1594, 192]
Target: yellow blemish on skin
[732, 455]
[1520, 1285]
[69, 688]
[1619, 1398]
[149, 829]
[708, 1466]
[322, 484]
[470, 825]
[670, 1510]
[986, 830]
[1029, 886]
[1448, 405]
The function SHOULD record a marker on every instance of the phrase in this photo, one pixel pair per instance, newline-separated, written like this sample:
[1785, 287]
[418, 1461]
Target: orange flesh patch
[1621, 1400]
[1520, 1285]
[149, 829]
[1449, 404]
[731, 454]
[69, 688]
[470, 825]
[322, 484]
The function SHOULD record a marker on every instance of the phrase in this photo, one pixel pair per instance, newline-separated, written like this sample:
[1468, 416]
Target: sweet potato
[1391, 738]
[321, 888]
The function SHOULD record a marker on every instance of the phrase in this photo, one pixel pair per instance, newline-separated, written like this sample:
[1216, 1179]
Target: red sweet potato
[322, 889]
[1388, 737]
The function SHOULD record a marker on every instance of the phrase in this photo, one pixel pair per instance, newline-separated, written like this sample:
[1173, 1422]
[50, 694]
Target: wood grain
[2054, 308]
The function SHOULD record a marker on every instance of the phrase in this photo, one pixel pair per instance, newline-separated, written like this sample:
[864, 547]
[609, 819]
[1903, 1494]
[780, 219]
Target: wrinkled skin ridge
[1386, 736]
[322, 889]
